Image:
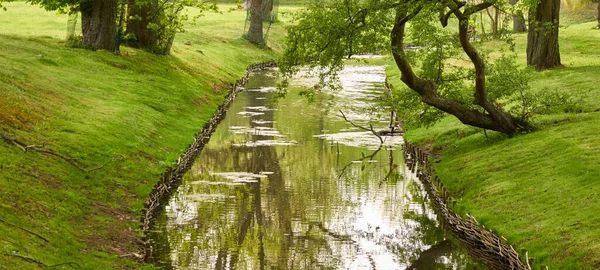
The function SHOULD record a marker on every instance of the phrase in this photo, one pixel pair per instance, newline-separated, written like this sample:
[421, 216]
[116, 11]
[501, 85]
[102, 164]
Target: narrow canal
[292, 185]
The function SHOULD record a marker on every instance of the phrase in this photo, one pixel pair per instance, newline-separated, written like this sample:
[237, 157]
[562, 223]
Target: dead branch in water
[23, 146]
[363, 128]
[24, 229]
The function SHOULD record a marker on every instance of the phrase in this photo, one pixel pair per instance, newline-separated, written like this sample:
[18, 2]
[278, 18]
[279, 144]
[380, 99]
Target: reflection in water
[294, 188]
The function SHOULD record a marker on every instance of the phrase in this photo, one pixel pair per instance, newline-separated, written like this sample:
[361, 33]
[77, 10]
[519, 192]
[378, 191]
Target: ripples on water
[296, 187]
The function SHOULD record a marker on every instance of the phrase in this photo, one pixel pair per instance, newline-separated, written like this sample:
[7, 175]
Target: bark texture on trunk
[99, 24]
[542, 39]
[137, 24]
[518, 19]
[255, 32]
[494, 118]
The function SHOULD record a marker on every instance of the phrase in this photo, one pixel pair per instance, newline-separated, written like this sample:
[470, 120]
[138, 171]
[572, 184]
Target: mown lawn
[540, 190]
[136, 111]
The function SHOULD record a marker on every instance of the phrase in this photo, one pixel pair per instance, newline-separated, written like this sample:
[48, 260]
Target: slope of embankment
[540, 190]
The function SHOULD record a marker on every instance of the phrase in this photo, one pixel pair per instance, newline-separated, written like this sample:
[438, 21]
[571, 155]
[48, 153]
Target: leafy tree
[329, 31]
[153, 24]
[542, 39]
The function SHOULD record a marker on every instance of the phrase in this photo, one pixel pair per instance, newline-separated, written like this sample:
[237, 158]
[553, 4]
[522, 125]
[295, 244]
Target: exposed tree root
[40, 263]
[24, 229]
[73, 161]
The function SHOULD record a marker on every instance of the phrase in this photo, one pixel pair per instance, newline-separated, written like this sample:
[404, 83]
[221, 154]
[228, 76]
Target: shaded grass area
[539, 190]
[136, 111]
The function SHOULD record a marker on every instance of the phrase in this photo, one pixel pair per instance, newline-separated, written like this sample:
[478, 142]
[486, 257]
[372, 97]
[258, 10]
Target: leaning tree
[442, 70]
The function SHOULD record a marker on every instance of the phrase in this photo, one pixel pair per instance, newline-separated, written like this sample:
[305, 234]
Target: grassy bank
[137, 112]
[540, 190]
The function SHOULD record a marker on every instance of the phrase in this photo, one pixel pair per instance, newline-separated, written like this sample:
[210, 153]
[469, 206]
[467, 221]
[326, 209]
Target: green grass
[138, 110]
[539, 190]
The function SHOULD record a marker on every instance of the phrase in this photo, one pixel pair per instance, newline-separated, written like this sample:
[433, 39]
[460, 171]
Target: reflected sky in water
[294, 186]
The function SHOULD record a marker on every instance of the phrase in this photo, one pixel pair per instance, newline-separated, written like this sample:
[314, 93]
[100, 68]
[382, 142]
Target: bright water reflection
[296, 187]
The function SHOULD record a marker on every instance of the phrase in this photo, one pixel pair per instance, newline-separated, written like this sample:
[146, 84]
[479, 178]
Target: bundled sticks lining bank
[481, 243]
[171, 178]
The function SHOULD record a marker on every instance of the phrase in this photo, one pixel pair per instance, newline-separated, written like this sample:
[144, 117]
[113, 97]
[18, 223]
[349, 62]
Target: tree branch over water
[363, 128]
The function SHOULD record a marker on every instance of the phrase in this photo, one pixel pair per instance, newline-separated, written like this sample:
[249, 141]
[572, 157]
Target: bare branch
[363, 128]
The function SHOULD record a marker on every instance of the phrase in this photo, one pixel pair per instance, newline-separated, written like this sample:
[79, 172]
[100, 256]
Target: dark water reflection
[268, 192]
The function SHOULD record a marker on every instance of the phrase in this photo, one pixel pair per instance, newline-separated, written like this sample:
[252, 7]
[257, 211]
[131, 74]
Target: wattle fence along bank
[171, 178]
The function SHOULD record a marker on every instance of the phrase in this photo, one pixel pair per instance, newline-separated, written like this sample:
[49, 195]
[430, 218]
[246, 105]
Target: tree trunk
[99, 24]
[518, 19]
[598, 26]
[137, 24]
[542, 39]
[494, 18]
[255, 33]
[493, 117]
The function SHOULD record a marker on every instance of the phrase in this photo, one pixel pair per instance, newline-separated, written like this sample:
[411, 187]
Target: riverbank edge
[171, 178]
[482, 244]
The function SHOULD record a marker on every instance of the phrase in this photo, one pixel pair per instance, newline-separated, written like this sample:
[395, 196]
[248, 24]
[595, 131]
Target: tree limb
[363, 128]
[492, 118]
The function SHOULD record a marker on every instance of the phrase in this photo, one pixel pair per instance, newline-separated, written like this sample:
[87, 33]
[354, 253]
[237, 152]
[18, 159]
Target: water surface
[294, 186]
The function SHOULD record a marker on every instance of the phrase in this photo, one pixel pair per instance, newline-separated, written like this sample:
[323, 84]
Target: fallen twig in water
[24, 229]
[25, 147]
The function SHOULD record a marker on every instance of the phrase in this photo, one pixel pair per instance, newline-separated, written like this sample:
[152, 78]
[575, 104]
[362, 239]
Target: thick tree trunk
[542, 39]
[99, 24]
[255, 33]
[494, 118]
[137, 24]
[518, 20]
